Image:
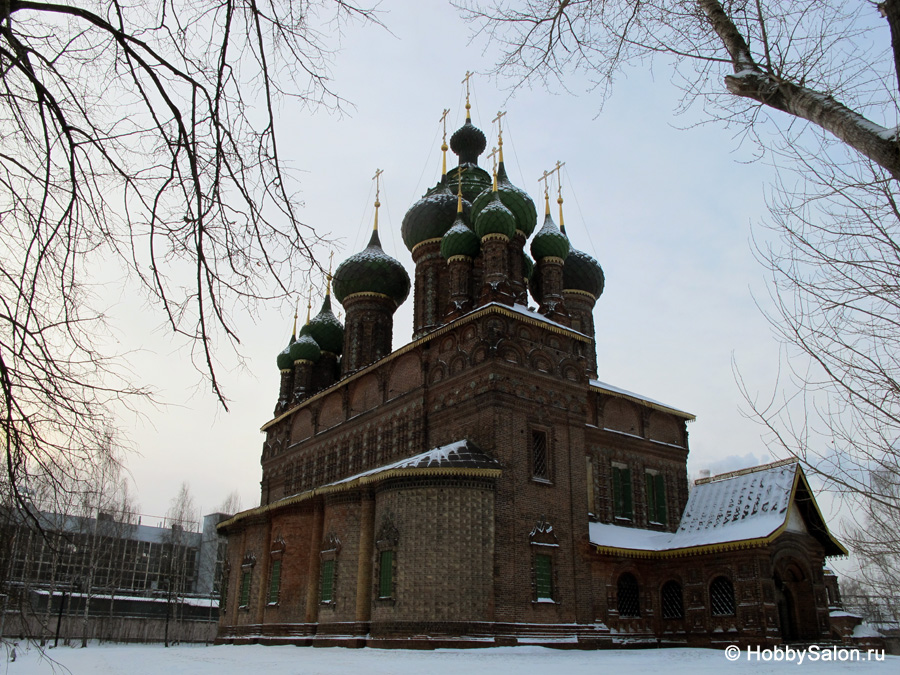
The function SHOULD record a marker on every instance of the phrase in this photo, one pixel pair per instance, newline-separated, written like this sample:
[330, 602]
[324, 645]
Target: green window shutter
[328, 581]
[651, 497]
[275, 582]
[627, 511]
[543, 574]
[618, 505]
[386, 575]
[661, 498]
[245, 589]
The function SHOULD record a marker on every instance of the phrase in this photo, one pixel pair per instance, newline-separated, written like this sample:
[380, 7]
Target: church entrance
[796, 603]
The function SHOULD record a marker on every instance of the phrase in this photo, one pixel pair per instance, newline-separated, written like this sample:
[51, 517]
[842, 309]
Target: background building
[102, 578]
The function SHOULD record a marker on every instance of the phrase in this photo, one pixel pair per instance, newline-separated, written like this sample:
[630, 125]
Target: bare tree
[179, 559]
[823, 76]
[141, 138]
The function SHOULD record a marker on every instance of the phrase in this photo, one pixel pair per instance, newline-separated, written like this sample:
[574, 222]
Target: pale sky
[666, 209]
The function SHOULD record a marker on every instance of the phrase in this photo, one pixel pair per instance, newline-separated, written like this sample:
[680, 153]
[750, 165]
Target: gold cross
[545, 178]
[377, 179]
[497, 120]
[443, 121]
[466, 80]
[558, 171]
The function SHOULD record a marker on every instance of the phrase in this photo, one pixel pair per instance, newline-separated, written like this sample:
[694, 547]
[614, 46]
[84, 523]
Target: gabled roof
[741, 509]
[460, 458]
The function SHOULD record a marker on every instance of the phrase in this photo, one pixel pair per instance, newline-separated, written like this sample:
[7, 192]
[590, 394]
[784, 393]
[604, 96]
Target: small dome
[371, 271]
[475, 180]
[460, 240]
[495, 218]
[326, 330]
[468, 142]
[582, 273]
[431, 216]
[284, 360]
[514, 198]
[305, 347]
[549, 241]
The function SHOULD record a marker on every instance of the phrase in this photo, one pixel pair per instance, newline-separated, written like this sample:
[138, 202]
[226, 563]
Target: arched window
[672, 601]
[721, 597]
[628, 596]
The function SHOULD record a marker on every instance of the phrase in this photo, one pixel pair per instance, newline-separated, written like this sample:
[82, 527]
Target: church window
[540, 457]
[245, 588]
[328, 581]
[721, 597]
[628, 596]
[543, 576]
[275, 582]
[672, 601]
[622, 507]
[656, 497]
[386, 574]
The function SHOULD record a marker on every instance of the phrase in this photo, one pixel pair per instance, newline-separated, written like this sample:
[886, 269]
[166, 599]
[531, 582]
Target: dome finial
[444, 146]
[294, 331]
[559, 199]
[308, 305]
[328, 276]
[468, 105]
[546, 179]
[493, 156]
[498, 120]
[377, 179]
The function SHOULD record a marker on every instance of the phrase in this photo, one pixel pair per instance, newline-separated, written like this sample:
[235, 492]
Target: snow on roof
[624, 393]
[456, 454]
[736, 507]
[459, 456]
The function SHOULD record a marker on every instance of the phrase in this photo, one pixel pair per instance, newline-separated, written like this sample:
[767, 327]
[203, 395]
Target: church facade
[480, 486]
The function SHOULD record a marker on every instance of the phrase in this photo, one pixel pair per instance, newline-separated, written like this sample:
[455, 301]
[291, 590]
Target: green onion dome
[581, 272]
[326, 330]
[549, 241]
[305, 348]
[468, 142]
[284, 360]
[475, 180]
[495, 218]
[515, 199]
[371, 271]
[431, 216]
[460, 240]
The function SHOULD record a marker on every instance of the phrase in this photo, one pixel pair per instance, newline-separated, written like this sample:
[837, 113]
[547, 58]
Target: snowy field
[254, 659]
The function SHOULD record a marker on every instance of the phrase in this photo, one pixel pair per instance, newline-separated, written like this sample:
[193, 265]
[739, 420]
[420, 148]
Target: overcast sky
[666, 208]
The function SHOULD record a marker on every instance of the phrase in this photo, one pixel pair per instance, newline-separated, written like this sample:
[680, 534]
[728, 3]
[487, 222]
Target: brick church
[480, 486]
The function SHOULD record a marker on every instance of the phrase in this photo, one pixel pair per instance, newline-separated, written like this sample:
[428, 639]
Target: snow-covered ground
[252, 659]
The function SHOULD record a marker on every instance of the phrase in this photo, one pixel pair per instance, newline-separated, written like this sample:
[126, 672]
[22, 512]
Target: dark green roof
[431, 216]
[549, 241]
[460, 240]
[495, 218]
[468, 142]
[581, 272]
[514, 198]
[284, 359]
[371, 271]
[305, 347]
[326, 330]
[475, 180]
